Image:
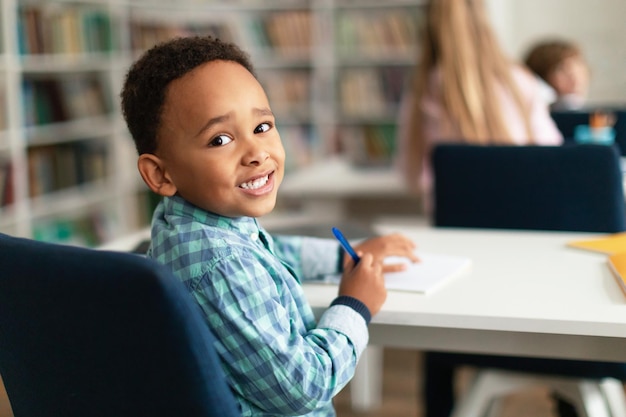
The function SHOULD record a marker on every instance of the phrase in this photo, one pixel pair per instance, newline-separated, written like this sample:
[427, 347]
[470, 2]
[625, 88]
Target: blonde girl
[465, 89]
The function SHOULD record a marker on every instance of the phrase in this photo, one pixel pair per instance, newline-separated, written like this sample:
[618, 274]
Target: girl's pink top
[439, 128]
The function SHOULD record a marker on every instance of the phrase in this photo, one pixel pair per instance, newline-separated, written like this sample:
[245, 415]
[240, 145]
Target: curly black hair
[147, 80]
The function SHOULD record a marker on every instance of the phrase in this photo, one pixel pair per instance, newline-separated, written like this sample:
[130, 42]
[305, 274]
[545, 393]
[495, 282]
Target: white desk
[527, 294]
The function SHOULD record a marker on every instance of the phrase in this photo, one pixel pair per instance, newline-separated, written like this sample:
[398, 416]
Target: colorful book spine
[63, 29]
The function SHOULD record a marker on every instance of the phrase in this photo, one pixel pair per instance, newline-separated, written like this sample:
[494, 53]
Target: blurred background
[335, 71]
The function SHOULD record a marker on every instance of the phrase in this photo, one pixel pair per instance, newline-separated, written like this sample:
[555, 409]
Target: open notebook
[433, 271]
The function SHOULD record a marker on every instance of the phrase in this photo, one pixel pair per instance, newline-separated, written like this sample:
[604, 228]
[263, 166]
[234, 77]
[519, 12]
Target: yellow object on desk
[609, 244]
[617, 264]
[613, 245]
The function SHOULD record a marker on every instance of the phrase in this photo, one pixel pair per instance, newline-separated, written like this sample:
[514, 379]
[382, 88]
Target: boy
[562, 66]
[208, 144]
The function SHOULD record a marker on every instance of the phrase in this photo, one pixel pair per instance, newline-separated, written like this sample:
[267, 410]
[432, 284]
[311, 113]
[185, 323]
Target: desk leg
[366, 387]
[613, 391]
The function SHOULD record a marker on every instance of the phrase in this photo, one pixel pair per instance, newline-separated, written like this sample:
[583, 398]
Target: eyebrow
[213, 121]
[265, 111]
[220, 119]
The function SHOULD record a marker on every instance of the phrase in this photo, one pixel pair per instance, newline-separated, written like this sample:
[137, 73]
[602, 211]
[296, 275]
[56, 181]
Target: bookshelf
[376, 47]
[333, 69]
[61, 139]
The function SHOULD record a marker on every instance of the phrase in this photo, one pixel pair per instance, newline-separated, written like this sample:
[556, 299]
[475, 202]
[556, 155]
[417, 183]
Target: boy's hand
[364, 282]
[389, 245]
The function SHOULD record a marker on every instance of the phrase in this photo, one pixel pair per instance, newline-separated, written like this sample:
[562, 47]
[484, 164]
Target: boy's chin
[260, 210]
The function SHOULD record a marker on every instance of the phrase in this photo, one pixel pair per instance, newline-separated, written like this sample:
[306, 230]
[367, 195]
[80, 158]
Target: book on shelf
[30, 30]
[7, 195]
[85, 229]
[372, 92]
[394, 84]
[380, 143]
[3, 111]
[299, 142]
[63, 29]
[65, 163]
[83, 96]
[91, 158]
[97, 31]
[54, 100]
[66, 36]
[369, 145]
[376, 32]
[4, 178]
[289, 91]
[40, 170]
[49, 103]
[56, 167]
[289, 32]
[145, 34]
[254, 31]
[361, 93]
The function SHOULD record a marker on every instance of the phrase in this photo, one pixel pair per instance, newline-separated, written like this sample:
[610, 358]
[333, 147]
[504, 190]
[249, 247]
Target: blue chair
[94, 333]
[567, 120]
[567, 188]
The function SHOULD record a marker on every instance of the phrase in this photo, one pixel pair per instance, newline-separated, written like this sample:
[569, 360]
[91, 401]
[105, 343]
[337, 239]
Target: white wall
[599, 26]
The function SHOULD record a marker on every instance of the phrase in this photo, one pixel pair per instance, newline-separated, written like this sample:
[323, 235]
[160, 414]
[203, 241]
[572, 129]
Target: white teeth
[253, 185]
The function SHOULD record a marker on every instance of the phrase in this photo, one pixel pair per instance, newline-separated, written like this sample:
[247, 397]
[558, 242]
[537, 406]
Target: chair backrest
[93, 333]
[569, 188]
[567, 120]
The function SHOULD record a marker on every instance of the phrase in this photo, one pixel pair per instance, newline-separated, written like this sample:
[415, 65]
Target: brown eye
[263, 127]
[220, 140]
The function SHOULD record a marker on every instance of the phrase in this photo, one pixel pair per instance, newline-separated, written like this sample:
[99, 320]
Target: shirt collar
[178, 206]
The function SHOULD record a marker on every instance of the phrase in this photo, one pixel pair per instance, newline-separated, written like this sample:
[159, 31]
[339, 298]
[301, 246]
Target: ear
[154, 174]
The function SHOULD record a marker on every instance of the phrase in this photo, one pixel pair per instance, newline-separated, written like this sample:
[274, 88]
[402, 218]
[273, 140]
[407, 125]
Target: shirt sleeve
[311, 258]
[278, 365]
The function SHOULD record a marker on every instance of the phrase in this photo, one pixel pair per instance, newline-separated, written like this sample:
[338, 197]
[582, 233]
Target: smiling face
[218, 146]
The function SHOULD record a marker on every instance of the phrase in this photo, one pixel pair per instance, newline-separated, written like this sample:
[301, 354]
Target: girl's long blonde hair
[458, 40]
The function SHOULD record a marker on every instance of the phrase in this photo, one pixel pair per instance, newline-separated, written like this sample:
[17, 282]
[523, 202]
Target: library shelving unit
[285, 44]
[375, 51]
[63, 174]
[333, 69]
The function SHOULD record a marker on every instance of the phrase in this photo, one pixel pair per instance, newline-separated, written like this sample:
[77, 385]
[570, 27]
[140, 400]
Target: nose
[255, 152]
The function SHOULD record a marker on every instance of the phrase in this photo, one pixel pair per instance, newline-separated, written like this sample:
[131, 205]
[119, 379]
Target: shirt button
[254, 235]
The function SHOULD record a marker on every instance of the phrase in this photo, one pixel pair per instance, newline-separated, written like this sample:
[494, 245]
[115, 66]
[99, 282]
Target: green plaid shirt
[278, 360]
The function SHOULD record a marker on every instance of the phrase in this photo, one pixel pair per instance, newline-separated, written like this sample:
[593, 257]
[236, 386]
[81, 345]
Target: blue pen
[346, 245]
